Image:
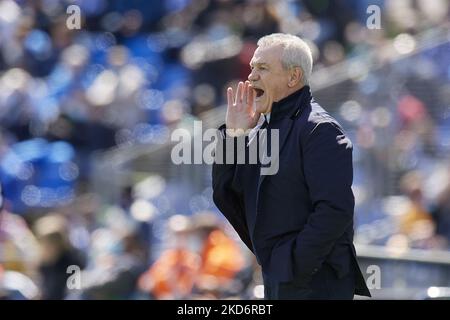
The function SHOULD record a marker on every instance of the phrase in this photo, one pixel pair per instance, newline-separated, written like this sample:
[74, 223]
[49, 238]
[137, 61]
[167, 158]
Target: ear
[295, 76]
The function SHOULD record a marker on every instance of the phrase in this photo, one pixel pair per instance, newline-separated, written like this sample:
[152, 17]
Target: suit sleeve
[226, 192]
[328, 172]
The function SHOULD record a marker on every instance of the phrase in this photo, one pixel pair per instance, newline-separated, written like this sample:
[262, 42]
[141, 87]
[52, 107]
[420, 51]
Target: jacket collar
[290, 105]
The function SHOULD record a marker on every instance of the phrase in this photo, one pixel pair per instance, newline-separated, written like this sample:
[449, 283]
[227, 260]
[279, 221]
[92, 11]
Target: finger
[251, 98]
[230, 97]
[239, 93]
[245, 93]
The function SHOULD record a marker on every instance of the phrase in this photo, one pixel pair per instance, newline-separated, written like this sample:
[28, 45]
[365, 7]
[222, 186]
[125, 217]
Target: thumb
[255, 117]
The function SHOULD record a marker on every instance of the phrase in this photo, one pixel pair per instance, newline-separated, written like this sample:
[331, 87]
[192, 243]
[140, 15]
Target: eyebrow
[258, 63]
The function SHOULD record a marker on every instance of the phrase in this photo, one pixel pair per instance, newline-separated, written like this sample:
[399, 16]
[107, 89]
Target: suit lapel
[285, 127]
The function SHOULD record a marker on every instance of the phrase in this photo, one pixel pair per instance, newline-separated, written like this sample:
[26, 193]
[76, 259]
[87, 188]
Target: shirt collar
[290, 104]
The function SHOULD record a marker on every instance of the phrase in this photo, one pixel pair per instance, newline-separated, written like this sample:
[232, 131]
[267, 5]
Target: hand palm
[241, 115]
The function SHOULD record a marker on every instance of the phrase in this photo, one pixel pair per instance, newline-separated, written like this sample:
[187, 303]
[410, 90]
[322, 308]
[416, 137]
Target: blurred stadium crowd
[136, 69]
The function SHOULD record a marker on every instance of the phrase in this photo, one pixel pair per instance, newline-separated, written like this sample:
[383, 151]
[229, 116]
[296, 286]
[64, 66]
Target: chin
[261, 108]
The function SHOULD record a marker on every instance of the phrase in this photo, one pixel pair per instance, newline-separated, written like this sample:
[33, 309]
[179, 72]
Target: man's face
[268, 77]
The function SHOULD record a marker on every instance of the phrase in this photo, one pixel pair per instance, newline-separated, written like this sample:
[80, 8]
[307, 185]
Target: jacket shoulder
[313, 116]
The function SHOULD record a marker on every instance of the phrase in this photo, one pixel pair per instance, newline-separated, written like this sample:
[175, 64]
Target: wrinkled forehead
[267, 55]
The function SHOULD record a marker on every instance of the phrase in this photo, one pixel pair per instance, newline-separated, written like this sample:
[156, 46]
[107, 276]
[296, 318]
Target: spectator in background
[118, 261]
[172, 276]
[18, 245]
[441, 212]
[416, 212]
[56, 255]
[221, 257]
[17, 256]
[202, 263]
[416, 223]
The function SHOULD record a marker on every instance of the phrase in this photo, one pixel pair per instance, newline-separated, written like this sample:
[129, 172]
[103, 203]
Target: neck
[285, 106]
[288, 93]
[291, 91]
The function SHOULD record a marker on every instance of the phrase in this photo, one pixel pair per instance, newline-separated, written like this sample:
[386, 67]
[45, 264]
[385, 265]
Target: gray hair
[296, 53]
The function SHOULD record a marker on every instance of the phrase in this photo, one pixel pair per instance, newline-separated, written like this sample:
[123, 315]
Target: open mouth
[259, 92]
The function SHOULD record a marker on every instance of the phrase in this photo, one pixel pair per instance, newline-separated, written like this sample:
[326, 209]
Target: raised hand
[241, 116]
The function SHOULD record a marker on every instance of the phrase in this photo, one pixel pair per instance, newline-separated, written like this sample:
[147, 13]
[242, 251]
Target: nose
[252, 76]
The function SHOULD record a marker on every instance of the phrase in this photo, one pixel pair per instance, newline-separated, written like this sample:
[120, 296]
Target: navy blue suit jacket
[301, 217]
